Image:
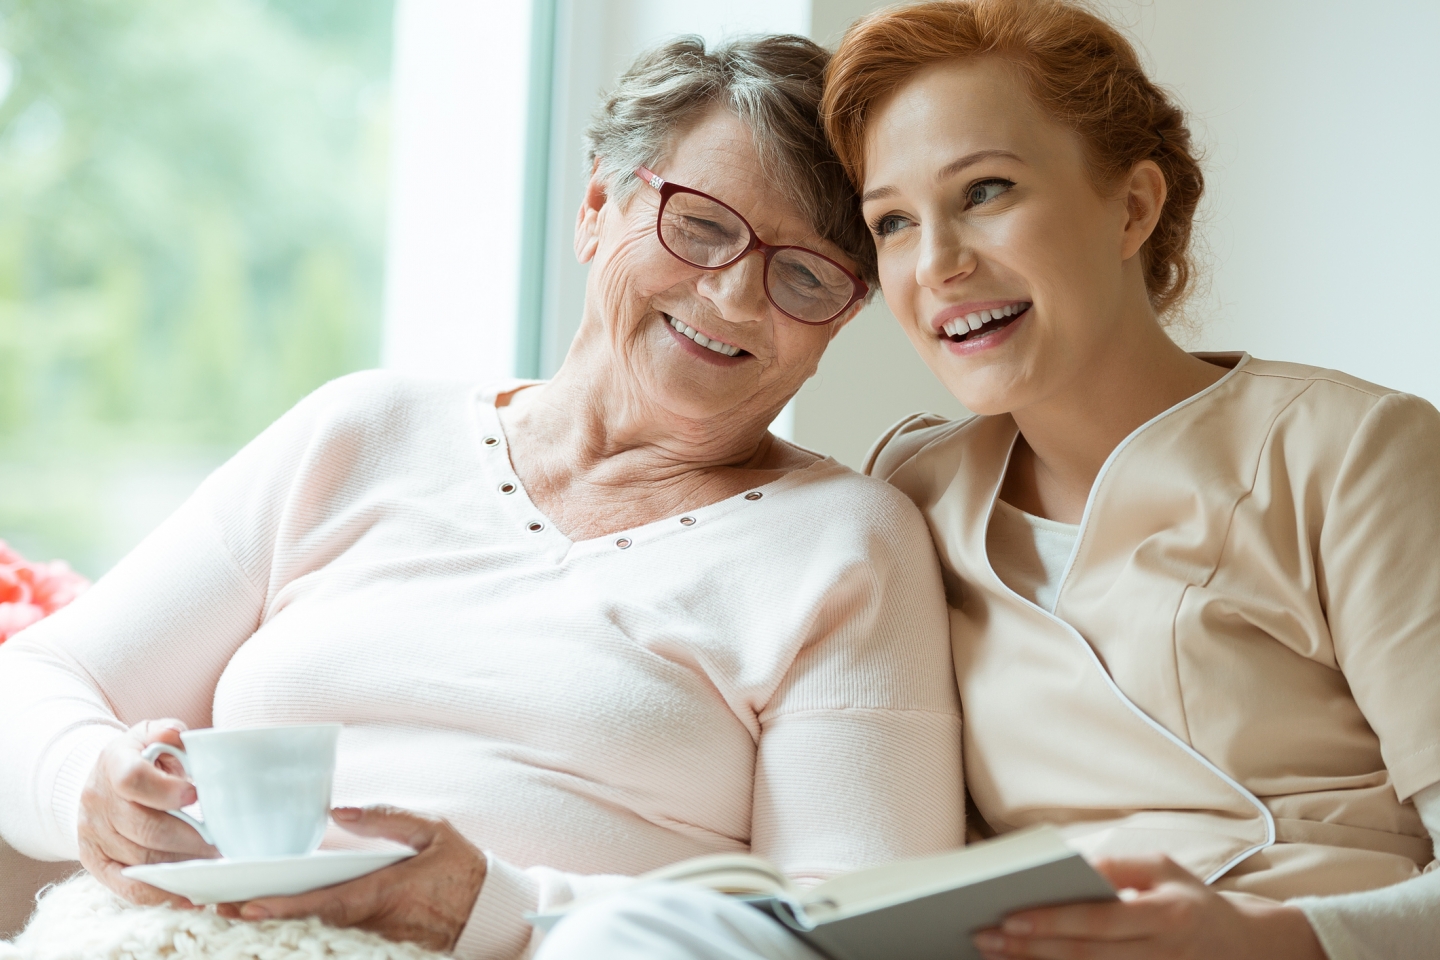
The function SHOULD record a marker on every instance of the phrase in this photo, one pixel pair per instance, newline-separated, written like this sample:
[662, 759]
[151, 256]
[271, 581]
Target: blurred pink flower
[31, 591]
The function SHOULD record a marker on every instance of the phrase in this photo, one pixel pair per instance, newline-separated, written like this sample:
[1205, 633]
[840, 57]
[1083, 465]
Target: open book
[923, 909]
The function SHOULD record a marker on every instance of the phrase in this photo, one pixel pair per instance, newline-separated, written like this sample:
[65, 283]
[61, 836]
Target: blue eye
[987, 190]
[886, 225]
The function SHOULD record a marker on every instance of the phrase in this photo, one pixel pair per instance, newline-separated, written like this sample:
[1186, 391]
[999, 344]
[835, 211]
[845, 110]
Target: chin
[985, 391]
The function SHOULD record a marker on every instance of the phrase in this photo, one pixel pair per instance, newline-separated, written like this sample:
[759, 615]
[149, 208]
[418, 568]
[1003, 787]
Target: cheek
[636, 269]
[798, 348]
[896, 266]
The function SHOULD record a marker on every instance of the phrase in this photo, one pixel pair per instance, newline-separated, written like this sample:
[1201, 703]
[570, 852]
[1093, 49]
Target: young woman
[1195, 616]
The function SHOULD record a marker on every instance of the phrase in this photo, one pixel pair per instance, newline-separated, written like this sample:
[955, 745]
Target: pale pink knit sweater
[771, 672]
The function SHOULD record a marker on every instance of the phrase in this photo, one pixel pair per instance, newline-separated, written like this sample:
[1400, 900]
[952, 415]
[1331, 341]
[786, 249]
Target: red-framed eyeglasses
[703, 232]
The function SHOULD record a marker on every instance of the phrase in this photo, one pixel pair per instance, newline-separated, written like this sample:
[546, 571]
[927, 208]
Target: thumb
[415, 830]
[1140, 873]
[160, 731]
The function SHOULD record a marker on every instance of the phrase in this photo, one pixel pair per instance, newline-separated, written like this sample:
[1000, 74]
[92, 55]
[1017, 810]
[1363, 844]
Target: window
[192, 200]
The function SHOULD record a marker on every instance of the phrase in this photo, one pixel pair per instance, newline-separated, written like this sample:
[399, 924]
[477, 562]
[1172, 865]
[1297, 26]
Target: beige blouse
[1241, 666]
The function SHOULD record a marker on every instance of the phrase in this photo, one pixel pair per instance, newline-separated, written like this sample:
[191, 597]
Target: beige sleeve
[898, 444]
[1394, 923]
[1377, 561]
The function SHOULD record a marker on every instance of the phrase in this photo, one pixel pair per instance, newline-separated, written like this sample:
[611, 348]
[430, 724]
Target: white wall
[1322, 125]
[457, 161]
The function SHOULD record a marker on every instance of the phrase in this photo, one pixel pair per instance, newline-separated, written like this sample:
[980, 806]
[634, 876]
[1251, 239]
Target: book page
[909, 879]
[733, 873]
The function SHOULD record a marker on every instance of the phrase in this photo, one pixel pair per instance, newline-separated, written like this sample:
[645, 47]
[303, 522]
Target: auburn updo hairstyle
[1081, 71]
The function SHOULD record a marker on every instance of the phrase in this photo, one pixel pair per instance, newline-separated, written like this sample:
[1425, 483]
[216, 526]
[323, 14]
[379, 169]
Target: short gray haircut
[773, 85]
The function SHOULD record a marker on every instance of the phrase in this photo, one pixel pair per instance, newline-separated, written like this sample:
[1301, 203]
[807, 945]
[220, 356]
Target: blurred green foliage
[191, 229]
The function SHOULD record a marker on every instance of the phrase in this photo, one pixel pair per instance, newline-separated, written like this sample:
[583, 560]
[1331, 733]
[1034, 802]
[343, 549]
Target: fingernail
[989, 941]
[1018, 925]
[346, 813]
[252, 912]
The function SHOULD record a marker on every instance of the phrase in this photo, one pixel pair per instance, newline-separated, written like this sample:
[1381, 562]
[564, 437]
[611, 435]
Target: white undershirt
[1030, 555]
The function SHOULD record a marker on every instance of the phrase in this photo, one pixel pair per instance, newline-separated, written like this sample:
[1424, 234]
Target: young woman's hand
[426, 899]
[122, 820]
[1173, 916]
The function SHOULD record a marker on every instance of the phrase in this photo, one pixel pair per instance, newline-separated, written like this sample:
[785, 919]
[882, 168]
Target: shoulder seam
[1322, 376]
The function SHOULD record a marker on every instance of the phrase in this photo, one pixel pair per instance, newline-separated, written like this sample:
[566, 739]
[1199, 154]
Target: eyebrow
[946, 172]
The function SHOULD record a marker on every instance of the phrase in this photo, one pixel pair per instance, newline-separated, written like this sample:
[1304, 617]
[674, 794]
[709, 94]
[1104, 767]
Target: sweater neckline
[494, 449]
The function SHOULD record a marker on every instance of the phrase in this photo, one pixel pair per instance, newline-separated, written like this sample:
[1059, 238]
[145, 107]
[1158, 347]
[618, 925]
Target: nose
[737, 291]
[944, 256]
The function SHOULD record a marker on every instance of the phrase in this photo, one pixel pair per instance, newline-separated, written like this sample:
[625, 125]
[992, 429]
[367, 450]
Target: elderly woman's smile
[709, 342]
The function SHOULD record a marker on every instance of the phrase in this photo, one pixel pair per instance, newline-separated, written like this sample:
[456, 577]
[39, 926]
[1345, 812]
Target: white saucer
[234, 881]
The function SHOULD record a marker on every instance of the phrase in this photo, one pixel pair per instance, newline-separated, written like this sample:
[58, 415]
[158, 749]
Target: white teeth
[704, 341]
[978, 319]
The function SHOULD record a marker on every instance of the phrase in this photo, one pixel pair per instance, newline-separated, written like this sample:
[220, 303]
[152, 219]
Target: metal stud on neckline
[754, 495]
[687, 521]
[535, 526]
[507, 487]
[491, 441]
[623, 543]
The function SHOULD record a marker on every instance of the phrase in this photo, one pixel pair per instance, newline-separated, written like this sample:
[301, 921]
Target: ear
[587, 221]
[1144, 199]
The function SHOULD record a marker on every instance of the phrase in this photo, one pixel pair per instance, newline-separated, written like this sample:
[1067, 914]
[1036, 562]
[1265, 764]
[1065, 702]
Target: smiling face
[1010, 272]
[700, 344]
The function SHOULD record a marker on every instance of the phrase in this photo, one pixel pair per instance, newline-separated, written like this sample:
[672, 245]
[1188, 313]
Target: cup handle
[150, 754]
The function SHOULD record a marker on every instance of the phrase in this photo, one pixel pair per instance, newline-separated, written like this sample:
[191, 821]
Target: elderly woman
[582, 628]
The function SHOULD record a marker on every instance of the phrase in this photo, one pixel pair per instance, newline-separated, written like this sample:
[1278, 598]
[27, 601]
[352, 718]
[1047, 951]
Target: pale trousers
[671, 921]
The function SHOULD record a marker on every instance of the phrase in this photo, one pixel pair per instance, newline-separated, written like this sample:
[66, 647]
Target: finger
[1141, 873]
[343, 905]
[107, 871]
[157, 831]
[1088, 921]
[139, 781]
[415, 830]
[166, 731]
[101, 830]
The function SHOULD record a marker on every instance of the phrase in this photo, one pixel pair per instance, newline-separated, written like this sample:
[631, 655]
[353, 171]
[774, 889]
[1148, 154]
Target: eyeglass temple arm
[650, 177]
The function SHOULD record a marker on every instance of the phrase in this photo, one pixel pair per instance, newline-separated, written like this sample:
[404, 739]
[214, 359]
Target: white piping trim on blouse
[1254, 801]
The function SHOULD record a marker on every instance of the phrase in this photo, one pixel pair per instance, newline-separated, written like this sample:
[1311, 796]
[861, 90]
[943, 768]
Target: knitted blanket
[82, 920]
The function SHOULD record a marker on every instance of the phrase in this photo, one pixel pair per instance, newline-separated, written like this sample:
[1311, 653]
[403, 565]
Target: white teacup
[264, 791]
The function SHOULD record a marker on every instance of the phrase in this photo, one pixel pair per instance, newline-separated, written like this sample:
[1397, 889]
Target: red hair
[1081, 71]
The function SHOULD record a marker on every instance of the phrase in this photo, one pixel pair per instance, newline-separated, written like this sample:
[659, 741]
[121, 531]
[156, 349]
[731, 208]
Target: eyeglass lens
[704, 233]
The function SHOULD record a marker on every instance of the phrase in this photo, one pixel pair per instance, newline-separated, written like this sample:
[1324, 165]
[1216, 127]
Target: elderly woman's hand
[122, 820]
[426, 899]
[1173, 916]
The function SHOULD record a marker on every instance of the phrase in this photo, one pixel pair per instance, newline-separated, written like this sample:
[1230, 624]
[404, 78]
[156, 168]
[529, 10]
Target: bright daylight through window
[192, 200]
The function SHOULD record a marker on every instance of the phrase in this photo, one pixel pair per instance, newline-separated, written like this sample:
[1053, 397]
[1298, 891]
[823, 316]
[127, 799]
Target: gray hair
[773, 85]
